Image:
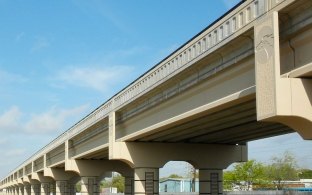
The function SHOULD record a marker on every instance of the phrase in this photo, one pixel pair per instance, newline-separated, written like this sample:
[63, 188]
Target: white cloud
[6, 77]
[14, 152]
[53, 120]
[3, 141]
[99, 79]
[40, 43]
[10, 119]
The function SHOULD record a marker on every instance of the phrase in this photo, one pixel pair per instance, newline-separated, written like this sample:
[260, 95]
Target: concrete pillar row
[146, 181]
[27, 189]
[61, 187]
[21, 189]
[129, 185]
[53, 188]
[16, 190]
[211, 181]
[45, 188]
[35, 189]
[72, 189]
[89, 186]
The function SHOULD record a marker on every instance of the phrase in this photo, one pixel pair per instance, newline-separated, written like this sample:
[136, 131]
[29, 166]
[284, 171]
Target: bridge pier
[280, 99]
[91, 170]
[16, 190]
[61, 187]
[27, 189]
[210, 181]
[129, 183]
[45, 188]
[45, 183]
[146, 181]
[89, 185]
[147, 158]
[61, 178]
[20, 189]
[35, 188]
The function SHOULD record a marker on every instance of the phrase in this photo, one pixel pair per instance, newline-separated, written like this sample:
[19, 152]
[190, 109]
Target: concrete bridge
[245, 77]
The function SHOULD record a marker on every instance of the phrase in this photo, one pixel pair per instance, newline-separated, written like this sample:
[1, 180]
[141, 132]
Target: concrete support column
[16, 190]
[211, 181]
[27, 190]
[61, 188]
[71, 189]
[146, 181]
[21, 189]
[35, 189]
[129, 185]
[45, 188]
[89, 186]
[53, 188]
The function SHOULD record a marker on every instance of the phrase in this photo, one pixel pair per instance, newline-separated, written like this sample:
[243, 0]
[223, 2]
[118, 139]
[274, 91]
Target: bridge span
[245, 77]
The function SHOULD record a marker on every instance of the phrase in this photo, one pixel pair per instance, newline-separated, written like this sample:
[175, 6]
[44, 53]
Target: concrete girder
[283, 100]
[201, 156]
[97, 167]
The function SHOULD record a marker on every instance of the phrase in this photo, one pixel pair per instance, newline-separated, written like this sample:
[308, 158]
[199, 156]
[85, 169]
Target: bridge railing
[210, 39]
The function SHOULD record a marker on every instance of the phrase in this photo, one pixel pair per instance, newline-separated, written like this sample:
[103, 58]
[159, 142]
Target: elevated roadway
[245, 77]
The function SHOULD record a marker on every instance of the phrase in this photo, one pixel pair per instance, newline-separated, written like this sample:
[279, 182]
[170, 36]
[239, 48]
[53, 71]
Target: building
[178, 185]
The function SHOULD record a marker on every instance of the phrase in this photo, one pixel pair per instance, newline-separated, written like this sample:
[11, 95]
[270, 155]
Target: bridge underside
[234, 125]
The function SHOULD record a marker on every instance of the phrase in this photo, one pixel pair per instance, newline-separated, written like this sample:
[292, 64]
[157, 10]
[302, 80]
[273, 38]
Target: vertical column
[27, 189]
[89, 186]
[45, 188]
[146, 181]
[129, 182]
[21, 189]
[61, 188]
[35, 189]
[16, 190]
[72, 188]
[53, 188]
[211, 181]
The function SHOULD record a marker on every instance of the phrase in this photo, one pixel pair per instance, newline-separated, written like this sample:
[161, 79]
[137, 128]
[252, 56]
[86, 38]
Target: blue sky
[59, 60]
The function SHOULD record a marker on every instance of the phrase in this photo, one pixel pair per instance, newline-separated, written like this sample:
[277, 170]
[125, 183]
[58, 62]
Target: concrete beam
[58, 174]
[284, 100]
[214, 156]
[97, 167]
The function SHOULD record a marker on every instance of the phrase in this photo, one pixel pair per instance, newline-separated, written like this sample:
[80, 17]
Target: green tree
[282, 169]
[78, 187]
[229, 179]
[249, 172]
[174, 176]
[119, 183]
[305, 174]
